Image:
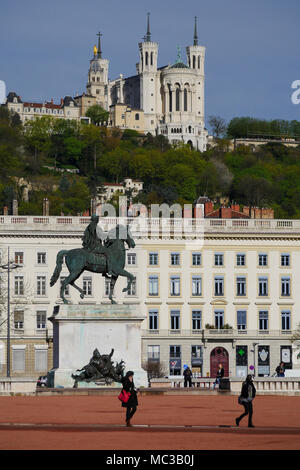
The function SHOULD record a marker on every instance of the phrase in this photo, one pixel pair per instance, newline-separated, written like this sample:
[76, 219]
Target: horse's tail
[59, 261]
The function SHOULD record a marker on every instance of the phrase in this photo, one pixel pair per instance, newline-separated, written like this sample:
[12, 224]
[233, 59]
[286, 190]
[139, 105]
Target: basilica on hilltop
[167, 100]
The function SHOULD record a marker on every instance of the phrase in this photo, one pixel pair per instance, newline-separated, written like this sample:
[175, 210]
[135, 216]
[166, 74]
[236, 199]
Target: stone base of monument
[78, 330]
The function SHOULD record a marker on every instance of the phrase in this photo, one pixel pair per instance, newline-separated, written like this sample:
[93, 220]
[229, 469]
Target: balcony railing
[150, 225]
[210, 333]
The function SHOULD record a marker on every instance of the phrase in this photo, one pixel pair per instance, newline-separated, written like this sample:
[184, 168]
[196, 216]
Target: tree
[98, 115]
[218, 126]
[92, 139]
[154, 369]
[37, 134]
[254, 191]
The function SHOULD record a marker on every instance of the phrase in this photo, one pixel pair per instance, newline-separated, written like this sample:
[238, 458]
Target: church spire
[99, 52]
[148, 35]
[195, 33]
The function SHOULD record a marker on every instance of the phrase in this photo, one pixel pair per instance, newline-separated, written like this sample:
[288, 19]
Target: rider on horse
[92, 243]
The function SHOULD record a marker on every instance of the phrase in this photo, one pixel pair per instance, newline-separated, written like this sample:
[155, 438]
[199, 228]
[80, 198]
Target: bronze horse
[81, 259]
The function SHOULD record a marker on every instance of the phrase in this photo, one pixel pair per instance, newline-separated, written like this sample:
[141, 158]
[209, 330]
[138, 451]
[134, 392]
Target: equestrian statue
[98, 255]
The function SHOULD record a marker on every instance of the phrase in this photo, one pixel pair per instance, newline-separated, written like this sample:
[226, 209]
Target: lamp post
[10, 265]
[254, 344]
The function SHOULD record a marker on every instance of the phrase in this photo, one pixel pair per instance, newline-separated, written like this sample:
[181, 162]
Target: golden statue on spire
[95, 50]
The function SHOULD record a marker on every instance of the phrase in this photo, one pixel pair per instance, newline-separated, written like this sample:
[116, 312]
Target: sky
[252, 48]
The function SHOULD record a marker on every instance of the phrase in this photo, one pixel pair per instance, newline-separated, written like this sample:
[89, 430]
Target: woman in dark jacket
[132, 403]
[247, 395]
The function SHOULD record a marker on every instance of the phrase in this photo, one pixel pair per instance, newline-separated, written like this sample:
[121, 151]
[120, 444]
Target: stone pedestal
[79, 329]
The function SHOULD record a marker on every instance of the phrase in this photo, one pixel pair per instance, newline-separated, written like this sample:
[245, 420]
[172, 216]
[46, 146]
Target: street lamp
[253, 350]
[10, 265]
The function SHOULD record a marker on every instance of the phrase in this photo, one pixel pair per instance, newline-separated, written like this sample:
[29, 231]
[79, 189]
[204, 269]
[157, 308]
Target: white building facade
[171, 97]
[224, 292]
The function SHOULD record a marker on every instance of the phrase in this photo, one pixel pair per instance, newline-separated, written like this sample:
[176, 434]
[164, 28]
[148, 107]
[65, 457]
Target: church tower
[98, 76]
[196, 57]
[147, 69]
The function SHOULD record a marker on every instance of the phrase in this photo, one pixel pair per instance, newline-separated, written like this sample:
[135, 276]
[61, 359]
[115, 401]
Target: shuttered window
[18, 360]
[41, 359]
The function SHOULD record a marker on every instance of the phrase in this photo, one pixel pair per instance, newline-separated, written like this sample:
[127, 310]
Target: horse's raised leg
[130, 278]
[68, 280]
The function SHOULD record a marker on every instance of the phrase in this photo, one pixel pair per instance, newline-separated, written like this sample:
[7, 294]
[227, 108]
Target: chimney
[45, 206]
[15, 207]
[208, 207]
[246, 211]
[225, 213]
[199, 211]
[51, 100]
[235, 207]
[188, 211]
[61, 101]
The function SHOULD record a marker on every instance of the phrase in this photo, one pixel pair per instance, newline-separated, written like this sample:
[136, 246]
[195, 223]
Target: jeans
[216, 382]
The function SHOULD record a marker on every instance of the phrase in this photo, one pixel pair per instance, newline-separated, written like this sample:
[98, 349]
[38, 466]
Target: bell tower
[97, 84]
[147, 69]
[196, 58]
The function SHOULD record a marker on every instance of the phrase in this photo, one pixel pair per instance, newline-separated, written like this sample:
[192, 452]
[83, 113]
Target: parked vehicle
[42, 381]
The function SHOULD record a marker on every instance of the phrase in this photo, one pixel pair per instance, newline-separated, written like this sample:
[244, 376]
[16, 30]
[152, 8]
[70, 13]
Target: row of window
[40, 319]
[153, 286]
[19, 359]
[153, 259]
[219, 259]
[44, 110]
[197, 324]
[219, 286]
[175, 319]
[41, 283]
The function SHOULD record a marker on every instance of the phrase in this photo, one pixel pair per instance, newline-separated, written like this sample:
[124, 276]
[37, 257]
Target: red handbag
[124, 396]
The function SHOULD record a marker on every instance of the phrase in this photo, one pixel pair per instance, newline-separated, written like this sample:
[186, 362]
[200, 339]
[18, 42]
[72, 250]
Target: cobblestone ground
[161, 423]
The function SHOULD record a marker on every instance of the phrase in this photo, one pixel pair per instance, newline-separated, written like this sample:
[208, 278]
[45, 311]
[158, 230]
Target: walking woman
[247, 395]
[132, 403]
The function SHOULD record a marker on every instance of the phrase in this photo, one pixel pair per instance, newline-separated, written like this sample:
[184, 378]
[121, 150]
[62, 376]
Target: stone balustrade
[264, 385]
[151, 225]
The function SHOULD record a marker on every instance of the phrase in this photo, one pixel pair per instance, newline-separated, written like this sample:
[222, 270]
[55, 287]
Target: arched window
[137, 117]
[147, 58]
[170, 100]
[199, 62]
[177, 99]
[194, 62]
[151, 57]
[190, 129]
[185, 100]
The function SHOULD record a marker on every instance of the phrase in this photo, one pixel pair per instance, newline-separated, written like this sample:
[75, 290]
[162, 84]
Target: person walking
[187, 374]
[246, 397]
[132, 403]
[219, 376]
[280, 370]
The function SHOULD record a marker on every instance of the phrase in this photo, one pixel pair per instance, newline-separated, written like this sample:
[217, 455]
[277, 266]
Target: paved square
[161, 422]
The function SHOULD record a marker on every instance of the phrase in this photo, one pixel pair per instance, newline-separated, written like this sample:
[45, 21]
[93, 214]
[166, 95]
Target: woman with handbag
[247, 395]
[130, 402]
